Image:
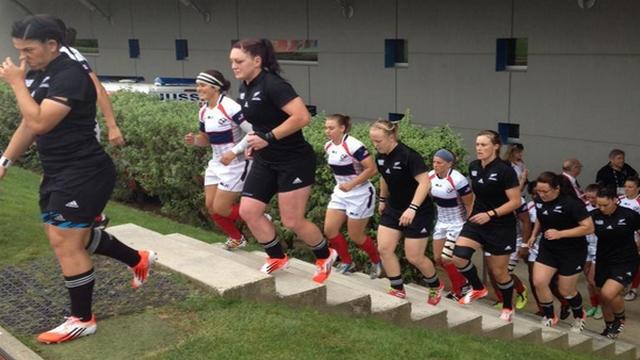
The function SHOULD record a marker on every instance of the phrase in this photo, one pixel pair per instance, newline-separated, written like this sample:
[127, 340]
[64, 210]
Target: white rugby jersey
[633, 204]
[344, 158]
[222, 126]
[446, 194]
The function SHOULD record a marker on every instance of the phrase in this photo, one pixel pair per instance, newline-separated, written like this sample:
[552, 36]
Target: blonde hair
[388, 127]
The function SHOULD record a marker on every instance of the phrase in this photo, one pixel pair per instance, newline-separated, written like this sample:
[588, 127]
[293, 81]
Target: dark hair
[593, 188]
[607, 192]
[494, 137]
[38, 27]
[218, 75]
[634, 179]
[556, 181]
[343, 120]
[70, 36]
[531, 187]
[262, 48]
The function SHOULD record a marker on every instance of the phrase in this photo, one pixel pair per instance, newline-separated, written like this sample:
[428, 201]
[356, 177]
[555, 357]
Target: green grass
[208, 327]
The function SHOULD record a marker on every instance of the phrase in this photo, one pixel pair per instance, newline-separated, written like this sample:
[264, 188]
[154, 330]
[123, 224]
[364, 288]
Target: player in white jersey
[353, 198]
[631, 200]
[222, 125]
[595, 311]
[452, 194]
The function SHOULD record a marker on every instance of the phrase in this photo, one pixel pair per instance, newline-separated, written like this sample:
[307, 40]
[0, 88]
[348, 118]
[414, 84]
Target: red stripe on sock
[370, 248]
[517, 284]
[227, 225]
[339, 244]
[595, 300]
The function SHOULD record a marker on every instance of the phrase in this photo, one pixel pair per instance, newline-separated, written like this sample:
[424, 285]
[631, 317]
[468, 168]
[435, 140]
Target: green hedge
[155, 162]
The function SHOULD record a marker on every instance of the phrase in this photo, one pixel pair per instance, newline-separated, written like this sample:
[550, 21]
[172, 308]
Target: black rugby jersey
[489, 184]
[72, 143]
[562, 213]
[399, 169]
[615, 234]
[262, 100]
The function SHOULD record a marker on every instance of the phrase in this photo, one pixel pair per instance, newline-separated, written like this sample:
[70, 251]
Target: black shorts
[621, 272]
[267, 179]
[568, 261]
[495, 238]
[74, 200]
[421, 227]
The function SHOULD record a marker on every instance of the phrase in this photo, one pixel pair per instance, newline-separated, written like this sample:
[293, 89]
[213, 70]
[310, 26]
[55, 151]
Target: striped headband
[208, 79]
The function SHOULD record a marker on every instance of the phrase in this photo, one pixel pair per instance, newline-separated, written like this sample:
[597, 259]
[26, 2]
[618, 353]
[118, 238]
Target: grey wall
[579, 96]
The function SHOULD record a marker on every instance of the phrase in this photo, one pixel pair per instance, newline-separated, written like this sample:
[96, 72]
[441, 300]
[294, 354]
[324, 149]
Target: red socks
[339, 244]
[370, 248]
[227, 225]
[636, 281]
[457, 280]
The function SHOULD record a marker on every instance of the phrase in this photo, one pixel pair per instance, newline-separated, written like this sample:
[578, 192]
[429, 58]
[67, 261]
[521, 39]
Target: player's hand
[115, 136]
[346, 187]
[190, 139]
[480, 218]
[407, 217]
[552, 234]
[256, 142]
[11, 73]
[381, 206]
[227, 157]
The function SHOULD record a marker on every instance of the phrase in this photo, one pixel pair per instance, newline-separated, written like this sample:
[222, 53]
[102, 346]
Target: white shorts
[592, 245]
[533, 250]
[228, 178]
[446, 231]
[358, 203]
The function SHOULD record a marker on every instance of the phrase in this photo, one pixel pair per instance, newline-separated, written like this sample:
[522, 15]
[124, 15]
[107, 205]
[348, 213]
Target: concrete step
[292, 289]
[12, 348]
[455, 318]
[383, 306]
[224, 277]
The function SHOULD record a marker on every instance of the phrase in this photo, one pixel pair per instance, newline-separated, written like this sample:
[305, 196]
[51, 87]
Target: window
[511, 54]
[396, 53]
[296, 51]
[509, 132]
[182, 49]
[87, 46]
[134, 48]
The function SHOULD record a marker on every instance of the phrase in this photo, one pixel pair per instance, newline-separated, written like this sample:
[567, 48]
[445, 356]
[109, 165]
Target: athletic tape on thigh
[447, 250]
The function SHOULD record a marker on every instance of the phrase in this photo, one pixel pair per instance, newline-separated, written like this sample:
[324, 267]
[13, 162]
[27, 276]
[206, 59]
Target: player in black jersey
[405, 209]
[616, 257]
[492, 225]
[563, 221]
[284, 162]
[57, 101]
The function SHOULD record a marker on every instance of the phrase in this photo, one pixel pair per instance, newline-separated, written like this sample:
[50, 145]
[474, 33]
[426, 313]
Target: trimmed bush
[9, 121]
[156, 163]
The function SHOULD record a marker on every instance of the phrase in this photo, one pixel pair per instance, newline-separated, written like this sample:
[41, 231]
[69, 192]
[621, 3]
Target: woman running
[492, 225]
[452, 194]
[405, 209]
[222, 125]
[631, 200]
[617, 256]
[353, 198]
[284, 162]
[563, 222]
[58, 112]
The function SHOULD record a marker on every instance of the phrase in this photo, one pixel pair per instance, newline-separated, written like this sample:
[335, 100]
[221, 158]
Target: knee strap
[96, 238]
[463, 252]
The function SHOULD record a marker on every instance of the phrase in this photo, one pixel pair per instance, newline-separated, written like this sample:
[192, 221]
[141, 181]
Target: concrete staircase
[235, 275]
